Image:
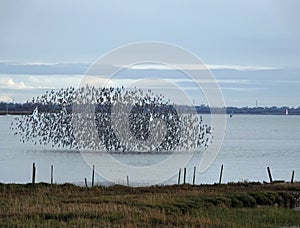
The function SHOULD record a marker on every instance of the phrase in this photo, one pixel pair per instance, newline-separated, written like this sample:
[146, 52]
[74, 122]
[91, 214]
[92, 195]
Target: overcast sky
[233, 35]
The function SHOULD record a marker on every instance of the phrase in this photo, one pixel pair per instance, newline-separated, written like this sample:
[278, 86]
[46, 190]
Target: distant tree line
[254, 110]
[28, 107]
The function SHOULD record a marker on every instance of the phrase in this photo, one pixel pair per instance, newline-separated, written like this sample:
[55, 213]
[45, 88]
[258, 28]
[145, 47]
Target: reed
[233, 205]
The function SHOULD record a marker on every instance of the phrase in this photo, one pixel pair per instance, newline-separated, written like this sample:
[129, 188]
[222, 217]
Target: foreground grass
[233, 205]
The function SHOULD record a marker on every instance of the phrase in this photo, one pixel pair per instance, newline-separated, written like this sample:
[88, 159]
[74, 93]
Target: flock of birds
[111, 119]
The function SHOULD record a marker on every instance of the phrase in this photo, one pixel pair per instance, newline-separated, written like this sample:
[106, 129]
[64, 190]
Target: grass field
[231, 205]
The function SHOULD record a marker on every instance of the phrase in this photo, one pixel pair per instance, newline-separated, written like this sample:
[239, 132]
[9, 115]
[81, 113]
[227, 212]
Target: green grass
[232, 205]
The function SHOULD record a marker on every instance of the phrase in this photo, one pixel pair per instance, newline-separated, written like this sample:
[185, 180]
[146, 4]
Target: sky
[251, 47]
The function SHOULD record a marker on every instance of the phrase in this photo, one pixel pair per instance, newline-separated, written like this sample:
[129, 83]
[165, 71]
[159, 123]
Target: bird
[51, 121]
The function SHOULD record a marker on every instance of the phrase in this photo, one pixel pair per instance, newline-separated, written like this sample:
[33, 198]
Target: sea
[252, 143]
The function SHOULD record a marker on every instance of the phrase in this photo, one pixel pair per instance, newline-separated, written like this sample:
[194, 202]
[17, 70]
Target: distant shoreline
[27, 109]
[19, 113]
[4, 113]
[16, 113]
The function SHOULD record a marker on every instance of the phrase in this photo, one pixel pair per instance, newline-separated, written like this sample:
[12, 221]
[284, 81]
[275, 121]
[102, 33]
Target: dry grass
[234, 205]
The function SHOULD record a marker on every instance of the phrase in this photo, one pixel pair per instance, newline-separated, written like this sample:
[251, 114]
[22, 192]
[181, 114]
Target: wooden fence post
[127, 181]
[221, 174]
[85, 181]
[184, 176]
[194, 175]
[93, 176]
[51, 178]
[179, 173]
[293, 174]
[270, 174]
[33, 173]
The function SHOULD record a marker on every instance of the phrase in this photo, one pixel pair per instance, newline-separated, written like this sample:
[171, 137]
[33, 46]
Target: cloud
[11, 84]
[241, 67]
[242, 89]
[148, 66]
[30, 63]
[53, 81]
[63, 81]
[4, 98]
[38, 81]
[154, 66]
[35, 68]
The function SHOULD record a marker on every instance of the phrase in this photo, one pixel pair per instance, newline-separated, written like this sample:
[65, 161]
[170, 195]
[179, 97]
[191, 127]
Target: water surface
[251, 144]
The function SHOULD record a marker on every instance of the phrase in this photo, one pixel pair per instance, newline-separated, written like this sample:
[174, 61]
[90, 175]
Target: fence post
[51, 179]
[184, 176]
[93, 176]
[221, 174]
[293, 174]
[194, 175]
[270, 174]
[33, 173]
[127, 181]
[85, 181]
[179, 173]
